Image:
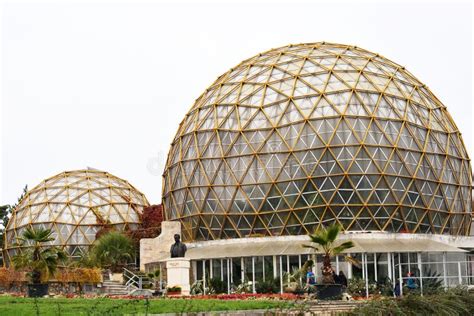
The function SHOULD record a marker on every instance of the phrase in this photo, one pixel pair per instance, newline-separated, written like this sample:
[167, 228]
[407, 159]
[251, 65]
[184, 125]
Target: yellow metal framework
[311, 134]
[75, 205]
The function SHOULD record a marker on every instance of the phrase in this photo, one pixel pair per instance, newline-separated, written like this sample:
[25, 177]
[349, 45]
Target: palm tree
[42, 260]
[113, 250]
[325, 240]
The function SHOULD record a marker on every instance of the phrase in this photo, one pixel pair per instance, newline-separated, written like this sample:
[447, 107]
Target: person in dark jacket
[342, 279]
[335, 277]
[396, 289]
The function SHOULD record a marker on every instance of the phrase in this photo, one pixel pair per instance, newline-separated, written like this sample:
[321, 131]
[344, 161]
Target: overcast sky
[106, 85]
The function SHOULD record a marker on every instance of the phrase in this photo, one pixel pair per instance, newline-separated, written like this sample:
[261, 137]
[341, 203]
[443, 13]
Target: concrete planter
[38, 290]
[328, 291]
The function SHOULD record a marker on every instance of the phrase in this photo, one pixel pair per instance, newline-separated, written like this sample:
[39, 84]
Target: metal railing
[135, 280]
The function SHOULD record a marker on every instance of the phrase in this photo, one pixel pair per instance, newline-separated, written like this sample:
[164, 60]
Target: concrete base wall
[156, 249]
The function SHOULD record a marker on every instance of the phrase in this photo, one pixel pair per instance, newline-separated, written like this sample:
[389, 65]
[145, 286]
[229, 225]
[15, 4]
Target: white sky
[106, 85]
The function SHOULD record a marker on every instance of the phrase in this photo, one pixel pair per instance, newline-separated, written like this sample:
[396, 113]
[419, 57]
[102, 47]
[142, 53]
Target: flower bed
[248, 296]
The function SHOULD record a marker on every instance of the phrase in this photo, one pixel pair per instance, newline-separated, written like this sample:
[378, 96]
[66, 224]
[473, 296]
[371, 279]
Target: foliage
[113, 250]
[356, 287]
[150, 225]
[86, 260]
[9, 276]
[40, 260]
[173, 289]
[6, 212]
[154, 275]
[295, 281]
[325, 240]
[384, 287]
[452, 302]
[270, 285]
[217, 286]
[244, 287]
[432, 282]
[197, 288]
[79, 275]
[15, 306]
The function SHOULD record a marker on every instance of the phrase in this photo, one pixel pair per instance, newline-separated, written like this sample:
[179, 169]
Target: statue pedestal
[178, 274]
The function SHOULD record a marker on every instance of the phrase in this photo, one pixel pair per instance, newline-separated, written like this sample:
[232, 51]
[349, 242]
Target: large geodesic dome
[76, 205]
[312, 134]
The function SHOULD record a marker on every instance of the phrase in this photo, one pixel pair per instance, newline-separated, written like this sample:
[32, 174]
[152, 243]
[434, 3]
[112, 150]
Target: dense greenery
[102, 306]
[39, 259]
[113, 250]
[270, 285]
[6, 212]
[325, 240]
[451, 303]
[295, 281]
[217, 286]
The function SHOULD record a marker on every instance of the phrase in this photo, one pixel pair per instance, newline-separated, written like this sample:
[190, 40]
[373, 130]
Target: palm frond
[311, 247]
[344, 246]
[353, 261]
[332, 232]
[319, 239]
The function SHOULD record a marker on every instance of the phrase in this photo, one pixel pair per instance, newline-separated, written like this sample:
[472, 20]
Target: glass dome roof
[75, 205]
[311, 134]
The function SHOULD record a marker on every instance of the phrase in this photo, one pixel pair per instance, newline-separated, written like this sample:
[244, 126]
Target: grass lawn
[16, 306]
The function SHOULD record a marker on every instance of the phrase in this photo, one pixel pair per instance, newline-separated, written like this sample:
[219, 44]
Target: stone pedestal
[178, 274]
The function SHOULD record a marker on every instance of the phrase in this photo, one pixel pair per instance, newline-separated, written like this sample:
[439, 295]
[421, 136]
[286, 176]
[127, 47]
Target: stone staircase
[331, 307]
[114, 288]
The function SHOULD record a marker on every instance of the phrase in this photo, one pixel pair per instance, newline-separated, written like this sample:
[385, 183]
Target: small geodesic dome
[76, 205]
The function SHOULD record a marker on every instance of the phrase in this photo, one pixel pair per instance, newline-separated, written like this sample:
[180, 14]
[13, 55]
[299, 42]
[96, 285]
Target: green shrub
[174, 289]
[432, 282]
[385, 287]
[452, 302]
[197, 288]
[356, 287]
[217, 286]
[268, 286]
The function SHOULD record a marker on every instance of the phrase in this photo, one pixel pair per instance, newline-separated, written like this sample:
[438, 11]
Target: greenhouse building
[304, 136]
[75, 205]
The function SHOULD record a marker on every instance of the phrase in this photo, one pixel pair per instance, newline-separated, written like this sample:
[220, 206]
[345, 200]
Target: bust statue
[178, 249]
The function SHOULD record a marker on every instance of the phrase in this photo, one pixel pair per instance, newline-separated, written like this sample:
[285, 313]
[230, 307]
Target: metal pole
[228, 276]
[366, 276]
[363, 266]
[389, 268]
[299, 265]
[231, 271]
[459, 273]
[445, 279]
[275, 270]
[375, 267]
[281, 275]
[400, 277]
[222, 269]
[349, 269]
[420, 268]
[253, 275]
[288, 267]
[204, 276]
[242, 269]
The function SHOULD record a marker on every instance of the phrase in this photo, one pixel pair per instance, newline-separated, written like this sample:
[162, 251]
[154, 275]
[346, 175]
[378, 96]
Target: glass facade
[312, 134]
[75, 205]
[448, 268]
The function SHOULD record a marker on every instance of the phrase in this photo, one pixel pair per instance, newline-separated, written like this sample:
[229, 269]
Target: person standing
[342, 279]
